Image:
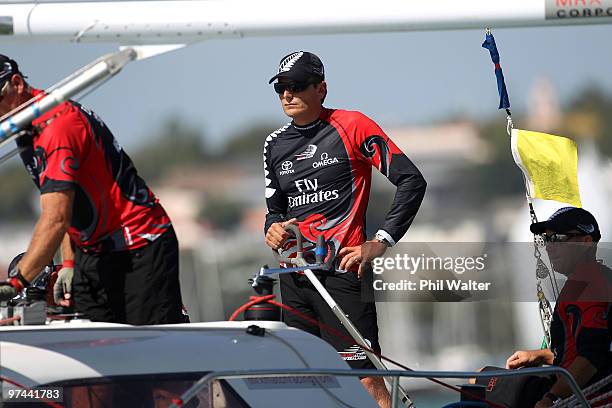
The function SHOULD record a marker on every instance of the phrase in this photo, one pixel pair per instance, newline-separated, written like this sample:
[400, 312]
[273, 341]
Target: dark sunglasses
[560, 237]
[293, 87]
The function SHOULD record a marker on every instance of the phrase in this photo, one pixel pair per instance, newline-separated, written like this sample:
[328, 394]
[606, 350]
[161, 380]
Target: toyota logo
[287, 165]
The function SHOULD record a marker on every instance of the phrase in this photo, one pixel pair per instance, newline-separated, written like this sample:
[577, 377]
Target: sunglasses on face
[560, 237]
[293, 87]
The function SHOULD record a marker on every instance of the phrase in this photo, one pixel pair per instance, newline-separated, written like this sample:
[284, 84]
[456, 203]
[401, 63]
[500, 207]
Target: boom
[188, 21]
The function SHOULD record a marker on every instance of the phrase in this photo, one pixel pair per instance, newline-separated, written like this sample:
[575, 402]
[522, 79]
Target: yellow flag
[549, 164]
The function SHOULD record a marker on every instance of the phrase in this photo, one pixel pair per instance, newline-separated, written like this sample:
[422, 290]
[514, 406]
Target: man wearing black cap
[317, 174]
[95, 204]
[581, 328]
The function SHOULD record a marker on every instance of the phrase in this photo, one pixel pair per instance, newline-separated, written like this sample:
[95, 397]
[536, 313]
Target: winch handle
[321, 250]
[299, 258]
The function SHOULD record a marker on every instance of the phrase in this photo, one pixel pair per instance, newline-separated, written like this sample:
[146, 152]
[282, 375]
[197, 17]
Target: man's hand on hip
[62, 290]
[369, 251]
[276, 235]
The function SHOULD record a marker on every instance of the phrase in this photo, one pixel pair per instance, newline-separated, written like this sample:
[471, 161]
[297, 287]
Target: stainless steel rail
[308, 372]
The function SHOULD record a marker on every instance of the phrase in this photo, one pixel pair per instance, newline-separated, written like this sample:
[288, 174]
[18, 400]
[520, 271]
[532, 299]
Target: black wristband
[16, 273]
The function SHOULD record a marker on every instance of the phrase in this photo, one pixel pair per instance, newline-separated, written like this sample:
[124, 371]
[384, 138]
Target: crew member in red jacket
[110, 225]
[581, 327]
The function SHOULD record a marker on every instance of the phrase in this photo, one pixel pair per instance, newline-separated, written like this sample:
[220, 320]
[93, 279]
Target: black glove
[7, 291]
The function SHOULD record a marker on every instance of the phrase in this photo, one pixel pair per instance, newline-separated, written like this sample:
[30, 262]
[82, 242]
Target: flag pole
[542, 271]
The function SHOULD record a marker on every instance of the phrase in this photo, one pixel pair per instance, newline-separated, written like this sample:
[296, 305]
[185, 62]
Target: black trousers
[136, 287]
[298, 293]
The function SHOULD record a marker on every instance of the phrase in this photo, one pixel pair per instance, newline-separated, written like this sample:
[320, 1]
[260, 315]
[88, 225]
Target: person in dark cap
[581, 328]
[317, 175]
[119, 250]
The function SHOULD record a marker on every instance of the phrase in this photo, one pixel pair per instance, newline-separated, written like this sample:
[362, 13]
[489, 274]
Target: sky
[221, 86]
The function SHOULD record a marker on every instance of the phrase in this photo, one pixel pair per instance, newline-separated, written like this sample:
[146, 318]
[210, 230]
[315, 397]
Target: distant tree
[222, 214]
[176, 144]
[17, 192]
[249, 141]
[500, 176]
[589, 115]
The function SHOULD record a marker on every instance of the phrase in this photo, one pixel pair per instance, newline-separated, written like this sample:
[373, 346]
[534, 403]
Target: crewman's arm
[54, 220]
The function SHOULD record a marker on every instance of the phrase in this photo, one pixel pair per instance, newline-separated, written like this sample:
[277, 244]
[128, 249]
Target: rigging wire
[545, 309]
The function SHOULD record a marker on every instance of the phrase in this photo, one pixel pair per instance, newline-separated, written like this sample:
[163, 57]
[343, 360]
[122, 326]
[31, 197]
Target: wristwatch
[552, 397]
[15, 273]
[382, 239]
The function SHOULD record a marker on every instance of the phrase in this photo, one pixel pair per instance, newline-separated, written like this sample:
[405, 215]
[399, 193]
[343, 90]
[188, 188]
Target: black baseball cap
[300, 66]
[8, 67]
[567, 219]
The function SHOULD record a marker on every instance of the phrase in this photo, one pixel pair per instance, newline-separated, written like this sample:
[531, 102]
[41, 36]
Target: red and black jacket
[72, 149]
[581, 324]
[321, 175]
